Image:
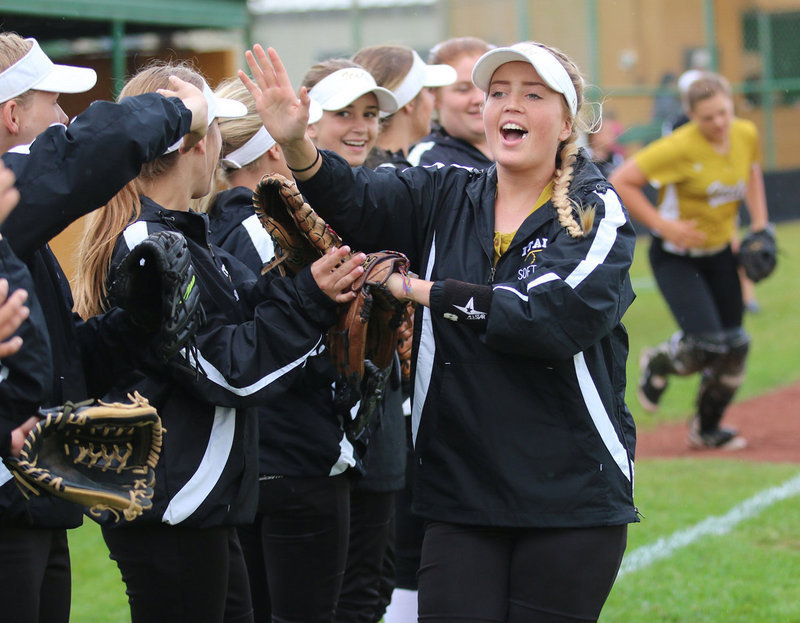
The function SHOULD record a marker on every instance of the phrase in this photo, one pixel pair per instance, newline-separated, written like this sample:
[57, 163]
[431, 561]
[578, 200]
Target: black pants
[35, 582]
[704, 294]
[296, 549]
[182, 575]
[367, 586]
[517, 575]
[409, 530]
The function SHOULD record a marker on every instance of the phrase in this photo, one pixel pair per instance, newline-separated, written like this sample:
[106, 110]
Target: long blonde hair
[104, 226]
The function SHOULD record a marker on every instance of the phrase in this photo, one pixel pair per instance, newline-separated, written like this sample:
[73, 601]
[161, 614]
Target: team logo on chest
[529, 253]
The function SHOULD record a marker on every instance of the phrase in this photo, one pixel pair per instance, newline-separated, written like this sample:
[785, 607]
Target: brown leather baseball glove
[364, 341]
[299, 234]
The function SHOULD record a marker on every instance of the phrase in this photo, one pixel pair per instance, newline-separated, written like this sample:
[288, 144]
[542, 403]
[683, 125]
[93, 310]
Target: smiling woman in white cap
[523, 441]
[401, 70]
[351, 101]
[62, 173]
[299, 536]
[181, 560]
[458, 136]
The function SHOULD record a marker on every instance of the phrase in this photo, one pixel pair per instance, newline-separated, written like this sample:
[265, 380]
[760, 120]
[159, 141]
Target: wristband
[309, 167]
[464, 302]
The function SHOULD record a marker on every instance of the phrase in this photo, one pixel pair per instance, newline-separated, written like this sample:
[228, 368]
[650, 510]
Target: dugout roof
[72, 19]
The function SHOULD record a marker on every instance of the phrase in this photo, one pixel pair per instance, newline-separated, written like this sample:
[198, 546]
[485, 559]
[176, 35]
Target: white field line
[664, 547]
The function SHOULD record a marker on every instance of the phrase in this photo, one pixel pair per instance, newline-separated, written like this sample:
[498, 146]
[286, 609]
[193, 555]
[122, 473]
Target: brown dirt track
[770, 423]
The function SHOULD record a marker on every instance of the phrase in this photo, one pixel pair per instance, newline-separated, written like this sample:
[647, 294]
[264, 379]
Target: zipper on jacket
[491, 275]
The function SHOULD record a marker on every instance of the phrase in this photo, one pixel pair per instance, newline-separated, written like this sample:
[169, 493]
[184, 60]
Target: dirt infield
[770, 423]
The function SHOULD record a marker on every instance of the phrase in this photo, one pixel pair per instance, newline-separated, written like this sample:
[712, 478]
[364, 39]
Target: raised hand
[284, 114]
[195, 101]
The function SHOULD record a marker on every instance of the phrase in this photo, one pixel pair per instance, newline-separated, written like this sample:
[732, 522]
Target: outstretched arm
[628, 180]
[284, 114]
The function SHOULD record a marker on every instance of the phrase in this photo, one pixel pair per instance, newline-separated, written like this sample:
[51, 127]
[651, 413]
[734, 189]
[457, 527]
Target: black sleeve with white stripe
[459, 301]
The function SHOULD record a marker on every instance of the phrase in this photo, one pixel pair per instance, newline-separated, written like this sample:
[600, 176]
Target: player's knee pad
[731, 366]
[691, 352]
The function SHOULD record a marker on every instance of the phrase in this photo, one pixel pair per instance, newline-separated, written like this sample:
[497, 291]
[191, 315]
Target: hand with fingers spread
[335, 276]
[283, 113]
[13, 313]
[195, 101]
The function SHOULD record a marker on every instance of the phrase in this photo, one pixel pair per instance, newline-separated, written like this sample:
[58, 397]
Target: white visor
[36, 71]
[217, 107]
[546, 65]
[341, 88]
[687, 78]
[261, 142]
[422, 75]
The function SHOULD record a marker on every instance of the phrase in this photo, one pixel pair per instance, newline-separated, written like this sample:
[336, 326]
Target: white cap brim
[420, 76]
[218, 107]
[341, 88]
[36, 71]
[546, 65]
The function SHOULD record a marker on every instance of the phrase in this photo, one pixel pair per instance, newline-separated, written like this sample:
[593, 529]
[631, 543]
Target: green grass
[746, 576]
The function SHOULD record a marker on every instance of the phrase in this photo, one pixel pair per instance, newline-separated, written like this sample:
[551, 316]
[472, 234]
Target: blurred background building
[631, 51]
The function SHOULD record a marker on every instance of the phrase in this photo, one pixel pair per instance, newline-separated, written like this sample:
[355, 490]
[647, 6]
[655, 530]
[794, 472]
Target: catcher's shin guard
[721, 380]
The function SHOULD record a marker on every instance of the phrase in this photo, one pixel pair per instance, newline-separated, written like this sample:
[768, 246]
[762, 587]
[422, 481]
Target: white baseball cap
[217, 107]
[344, 86]
[422, 75]
[546, 65]
[261, 142]
[35, 70]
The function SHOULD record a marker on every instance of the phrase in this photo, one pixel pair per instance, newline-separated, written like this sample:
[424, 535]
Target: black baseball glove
[156, 284]
[758, 254]
[99, 455]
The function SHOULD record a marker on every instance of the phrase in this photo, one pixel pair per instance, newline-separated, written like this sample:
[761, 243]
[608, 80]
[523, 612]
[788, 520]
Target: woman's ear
[9, 116]
[566, 130]
[312, 132]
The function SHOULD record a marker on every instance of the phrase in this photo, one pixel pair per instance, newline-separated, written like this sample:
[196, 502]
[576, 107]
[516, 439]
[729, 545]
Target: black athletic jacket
[299, 433]
[441, 148]
[25, 374]
[65, 173]
[518, 408]
[257, 337]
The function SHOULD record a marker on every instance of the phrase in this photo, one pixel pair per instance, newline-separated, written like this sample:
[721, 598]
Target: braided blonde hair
[566, 158]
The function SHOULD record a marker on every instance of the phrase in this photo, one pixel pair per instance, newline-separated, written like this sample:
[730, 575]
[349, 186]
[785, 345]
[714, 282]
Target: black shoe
[651, 386]
[720, 438]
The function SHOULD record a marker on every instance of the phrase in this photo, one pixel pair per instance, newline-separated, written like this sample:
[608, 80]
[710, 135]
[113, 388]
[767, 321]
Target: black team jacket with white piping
[518, 412]
[299, 433]
[257, 337]
[65, 173]
[441, 148]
